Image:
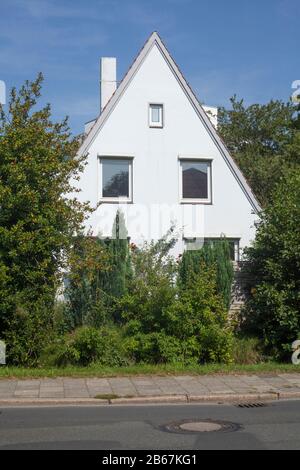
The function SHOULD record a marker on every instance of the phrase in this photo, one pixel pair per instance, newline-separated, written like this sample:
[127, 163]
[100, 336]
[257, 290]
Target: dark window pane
[115, 178]
[194, 180]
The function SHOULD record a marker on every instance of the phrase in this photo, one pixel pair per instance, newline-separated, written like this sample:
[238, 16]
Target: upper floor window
[116, 179]
[156, 117]
[195, 181]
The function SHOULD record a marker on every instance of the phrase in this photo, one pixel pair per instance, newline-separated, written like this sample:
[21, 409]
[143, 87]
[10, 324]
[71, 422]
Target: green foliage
[272, 311]
[217, 254]
[151, 287]
[98, 273]
[247, 350]
[198, 318]
[29, 329]
[153, 348]
[37, 219]
[168, 323]
[89, 264]
[263, 139]
[87, 345]
[118, 249]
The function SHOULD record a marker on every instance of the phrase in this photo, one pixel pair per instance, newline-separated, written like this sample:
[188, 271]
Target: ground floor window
[197, 243]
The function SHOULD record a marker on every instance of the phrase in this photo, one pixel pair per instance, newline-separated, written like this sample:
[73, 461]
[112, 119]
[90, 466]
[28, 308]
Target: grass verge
[96, 370]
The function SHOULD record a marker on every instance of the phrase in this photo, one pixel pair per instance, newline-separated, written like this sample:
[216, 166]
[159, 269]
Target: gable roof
[155, 39]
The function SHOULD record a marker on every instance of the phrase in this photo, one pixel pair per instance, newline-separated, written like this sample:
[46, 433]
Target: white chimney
[108, 79]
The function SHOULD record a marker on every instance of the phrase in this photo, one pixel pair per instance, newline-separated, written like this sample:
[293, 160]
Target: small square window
[116, 179]
[195, 180]
[156, 115]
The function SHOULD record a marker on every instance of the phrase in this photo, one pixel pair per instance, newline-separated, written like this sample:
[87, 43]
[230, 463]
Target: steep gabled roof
[154, 39]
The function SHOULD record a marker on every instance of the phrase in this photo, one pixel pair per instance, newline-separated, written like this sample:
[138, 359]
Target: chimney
[108, 79]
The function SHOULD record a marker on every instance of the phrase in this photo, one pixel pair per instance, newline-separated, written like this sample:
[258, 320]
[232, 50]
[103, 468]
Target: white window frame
[160, 123]
[120, 199]
[207, 200]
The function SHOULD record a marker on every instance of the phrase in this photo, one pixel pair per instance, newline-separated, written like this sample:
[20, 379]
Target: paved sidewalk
[141, 389]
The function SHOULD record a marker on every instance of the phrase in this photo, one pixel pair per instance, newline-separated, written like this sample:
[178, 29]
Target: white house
[154, 152]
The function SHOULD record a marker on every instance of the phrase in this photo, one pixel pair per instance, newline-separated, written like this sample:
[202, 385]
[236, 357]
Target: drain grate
[251, 405]
[200, 426]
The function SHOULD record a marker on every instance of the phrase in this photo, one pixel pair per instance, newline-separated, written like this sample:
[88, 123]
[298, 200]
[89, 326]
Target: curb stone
[234, 397]
[153, 399]
[52, 401]
[228, 398]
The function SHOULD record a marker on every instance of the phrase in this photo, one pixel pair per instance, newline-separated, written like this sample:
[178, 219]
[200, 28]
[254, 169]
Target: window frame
[119, 199]
[209, 161]
[153, 124]
[230, 239]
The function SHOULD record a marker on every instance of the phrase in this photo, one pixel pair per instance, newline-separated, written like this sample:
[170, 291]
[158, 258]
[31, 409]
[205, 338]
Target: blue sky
[247, 47]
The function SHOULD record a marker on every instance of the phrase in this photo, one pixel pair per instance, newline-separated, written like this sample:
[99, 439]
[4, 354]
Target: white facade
[155, 156]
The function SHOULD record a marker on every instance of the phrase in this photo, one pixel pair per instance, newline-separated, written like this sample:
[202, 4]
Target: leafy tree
[38, 217]
[263, 139]
[273, 310]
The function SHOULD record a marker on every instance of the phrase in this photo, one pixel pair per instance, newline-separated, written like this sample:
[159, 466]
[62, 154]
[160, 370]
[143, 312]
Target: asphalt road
[275, 426]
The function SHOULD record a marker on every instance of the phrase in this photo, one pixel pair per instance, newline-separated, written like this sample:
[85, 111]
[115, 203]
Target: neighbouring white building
[154, 152]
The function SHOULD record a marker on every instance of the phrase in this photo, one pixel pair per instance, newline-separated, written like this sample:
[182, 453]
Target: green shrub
[198, 319]
[247, 351]
[29, 329]
[87, 345]
[153, 348]
[151, 288]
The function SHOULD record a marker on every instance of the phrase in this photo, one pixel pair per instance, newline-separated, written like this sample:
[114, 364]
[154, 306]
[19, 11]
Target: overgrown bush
[169, 322]
[87, 345]
[151, 288]
[29, 329]
[153, 348]
[247, 350]
[198, 318]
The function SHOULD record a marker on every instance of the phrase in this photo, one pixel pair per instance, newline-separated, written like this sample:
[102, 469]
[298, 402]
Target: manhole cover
[203, 425]
[200, 426]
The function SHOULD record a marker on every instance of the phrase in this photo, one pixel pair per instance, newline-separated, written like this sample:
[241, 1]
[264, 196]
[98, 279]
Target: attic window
[195, 181]
[155, 115]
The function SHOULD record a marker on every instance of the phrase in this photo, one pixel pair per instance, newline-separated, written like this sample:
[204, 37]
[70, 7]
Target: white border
[207, 200]
[160, 123]
[118, 200]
